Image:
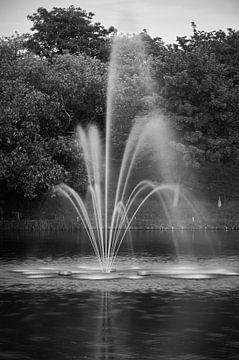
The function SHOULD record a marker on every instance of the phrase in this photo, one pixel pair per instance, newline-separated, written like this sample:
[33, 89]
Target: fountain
[121, 182]
[113, 207]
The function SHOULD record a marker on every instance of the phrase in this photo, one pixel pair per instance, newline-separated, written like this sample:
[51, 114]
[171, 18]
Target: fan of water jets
[116, 192]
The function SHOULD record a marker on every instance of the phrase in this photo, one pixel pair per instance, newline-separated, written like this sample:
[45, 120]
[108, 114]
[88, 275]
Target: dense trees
[41, 104]
[72, 30]
[56, 78]
[198, 80]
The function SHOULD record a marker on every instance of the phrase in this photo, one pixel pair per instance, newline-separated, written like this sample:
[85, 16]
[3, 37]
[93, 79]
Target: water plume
[136, 138]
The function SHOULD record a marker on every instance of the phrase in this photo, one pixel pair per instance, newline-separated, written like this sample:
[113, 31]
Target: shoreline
[63, 225]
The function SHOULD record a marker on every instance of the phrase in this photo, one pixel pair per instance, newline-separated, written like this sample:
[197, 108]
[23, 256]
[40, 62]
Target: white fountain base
[89, 273]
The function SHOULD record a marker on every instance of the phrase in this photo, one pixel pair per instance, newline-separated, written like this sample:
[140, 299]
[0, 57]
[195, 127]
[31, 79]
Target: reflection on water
[60, 319]
[106, 325]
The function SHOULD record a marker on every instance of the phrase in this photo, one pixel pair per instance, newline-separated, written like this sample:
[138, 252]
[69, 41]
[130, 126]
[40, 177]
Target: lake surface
[59, 318]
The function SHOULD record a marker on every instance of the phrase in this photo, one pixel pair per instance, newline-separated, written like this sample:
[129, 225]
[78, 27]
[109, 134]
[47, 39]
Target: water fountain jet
[114, 197]
[113, 205]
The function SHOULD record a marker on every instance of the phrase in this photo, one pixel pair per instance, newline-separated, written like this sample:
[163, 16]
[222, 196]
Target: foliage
[153, 46]
[68, 29]
[41, 103]
[199, 89]
[79, 83]
[56, 78]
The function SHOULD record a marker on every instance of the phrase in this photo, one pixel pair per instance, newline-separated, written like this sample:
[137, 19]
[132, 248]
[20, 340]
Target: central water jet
[133, 165]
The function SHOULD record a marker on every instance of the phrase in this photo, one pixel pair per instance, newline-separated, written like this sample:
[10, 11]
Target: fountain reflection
[107, 326]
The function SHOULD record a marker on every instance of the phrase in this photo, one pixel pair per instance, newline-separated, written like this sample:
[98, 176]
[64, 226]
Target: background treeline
[56, 78]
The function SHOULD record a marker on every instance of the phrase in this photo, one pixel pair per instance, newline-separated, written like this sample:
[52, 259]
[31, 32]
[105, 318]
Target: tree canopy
[199, 89]
[56, 78]
[41, 104]
[68, 30]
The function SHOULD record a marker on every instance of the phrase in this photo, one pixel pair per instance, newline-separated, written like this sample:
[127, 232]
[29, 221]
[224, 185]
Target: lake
[60, 318]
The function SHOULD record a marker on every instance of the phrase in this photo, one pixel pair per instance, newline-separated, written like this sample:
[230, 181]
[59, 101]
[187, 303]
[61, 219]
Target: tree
[26, 164]
[224, 45]
[153, 46]
[68, 30]
[41, 104]
[198, 89]
[79, 83]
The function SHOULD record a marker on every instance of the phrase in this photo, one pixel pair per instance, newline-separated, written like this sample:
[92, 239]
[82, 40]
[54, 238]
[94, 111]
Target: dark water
[61, 318]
